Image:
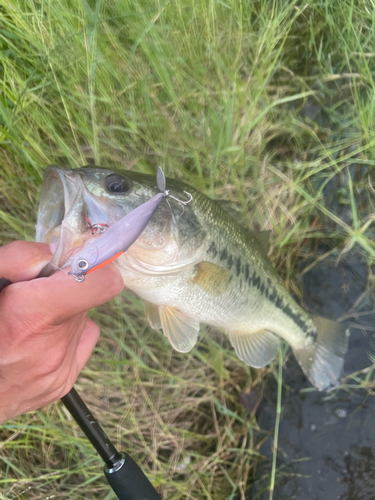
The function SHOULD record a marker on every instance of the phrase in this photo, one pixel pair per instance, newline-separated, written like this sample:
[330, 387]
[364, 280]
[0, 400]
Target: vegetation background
[260, 102]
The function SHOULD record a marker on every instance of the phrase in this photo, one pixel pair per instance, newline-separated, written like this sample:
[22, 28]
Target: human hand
[46, 337]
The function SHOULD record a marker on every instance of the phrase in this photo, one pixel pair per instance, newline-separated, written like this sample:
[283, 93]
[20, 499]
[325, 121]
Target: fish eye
[116, 184]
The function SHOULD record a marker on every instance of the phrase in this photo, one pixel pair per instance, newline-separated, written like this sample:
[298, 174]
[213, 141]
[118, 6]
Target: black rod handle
[124, 476]
[90, 426]
[129, 482]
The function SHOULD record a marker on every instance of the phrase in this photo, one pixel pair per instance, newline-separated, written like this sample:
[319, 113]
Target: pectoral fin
[255, 349]
[152, 314]
[212, 278]
[179, 328]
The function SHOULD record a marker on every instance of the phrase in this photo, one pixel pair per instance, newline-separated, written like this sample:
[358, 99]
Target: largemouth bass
[193, 264]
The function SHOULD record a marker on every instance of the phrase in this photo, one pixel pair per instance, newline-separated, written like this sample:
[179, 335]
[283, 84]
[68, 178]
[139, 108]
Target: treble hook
[161, 182]
[180, 201]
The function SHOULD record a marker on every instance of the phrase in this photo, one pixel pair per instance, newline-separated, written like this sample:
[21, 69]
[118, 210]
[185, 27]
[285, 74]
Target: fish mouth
[69, 216]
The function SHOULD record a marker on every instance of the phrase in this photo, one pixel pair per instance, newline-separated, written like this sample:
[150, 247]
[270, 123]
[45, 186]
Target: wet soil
[326, 440]
[326, 448]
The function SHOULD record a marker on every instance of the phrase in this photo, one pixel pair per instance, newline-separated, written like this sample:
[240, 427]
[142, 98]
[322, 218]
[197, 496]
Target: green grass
[259, 102]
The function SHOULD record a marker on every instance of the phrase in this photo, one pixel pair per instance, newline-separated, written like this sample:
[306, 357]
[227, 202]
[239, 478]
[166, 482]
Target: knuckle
[30, 323]
[52, 367]
[16, 246]
[16, 250]
[14, 305]
[25, 313]
[20, 260]
[35, 325]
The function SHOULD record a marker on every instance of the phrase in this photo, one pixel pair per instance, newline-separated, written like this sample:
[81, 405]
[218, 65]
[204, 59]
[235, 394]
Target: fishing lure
[114, 241]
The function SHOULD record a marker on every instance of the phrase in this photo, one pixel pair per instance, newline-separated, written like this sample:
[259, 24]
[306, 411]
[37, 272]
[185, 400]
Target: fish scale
[228, 257]
[195, 264]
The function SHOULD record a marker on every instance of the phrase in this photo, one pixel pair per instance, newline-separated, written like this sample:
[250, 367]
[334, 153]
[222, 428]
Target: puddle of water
[326, 441]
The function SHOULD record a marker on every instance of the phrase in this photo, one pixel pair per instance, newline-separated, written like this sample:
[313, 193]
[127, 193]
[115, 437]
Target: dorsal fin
[263, 237]
[238, 216]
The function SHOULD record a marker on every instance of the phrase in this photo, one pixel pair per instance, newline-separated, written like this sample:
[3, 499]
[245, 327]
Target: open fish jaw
[64, 211]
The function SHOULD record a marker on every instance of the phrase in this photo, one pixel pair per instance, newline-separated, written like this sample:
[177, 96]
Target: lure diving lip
[118, 238]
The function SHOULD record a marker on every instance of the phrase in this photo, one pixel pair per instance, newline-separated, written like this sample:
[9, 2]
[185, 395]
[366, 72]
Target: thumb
[23, 260]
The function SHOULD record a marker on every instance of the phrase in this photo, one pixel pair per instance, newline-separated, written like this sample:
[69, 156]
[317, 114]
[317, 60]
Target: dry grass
[263, 103]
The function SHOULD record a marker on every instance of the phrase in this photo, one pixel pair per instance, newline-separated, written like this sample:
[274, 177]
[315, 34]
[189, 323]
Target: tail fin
[323, 360]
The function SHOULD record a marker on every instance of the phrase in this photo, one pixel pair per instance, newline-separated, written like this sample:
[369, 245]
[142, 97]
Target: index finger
[61, 297]
[23, 260]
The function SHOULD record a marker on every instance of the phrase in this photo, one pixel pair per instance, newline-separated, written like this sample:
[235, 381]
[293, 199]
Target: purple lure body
[116, 240]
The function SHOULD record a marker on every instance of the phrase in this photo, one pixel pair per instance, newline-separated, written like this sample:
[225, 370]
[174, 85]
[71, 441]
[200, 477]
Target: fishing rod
[124, 476]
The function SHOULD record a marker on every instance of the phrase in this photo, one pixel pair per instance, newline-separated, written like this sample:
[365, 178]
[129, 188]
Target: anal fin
[180, 329]
[255, 349]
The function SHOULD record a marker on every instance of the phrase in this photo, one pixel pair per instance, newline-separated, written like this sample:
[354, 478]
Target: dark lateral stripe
[224, 254]
[212, 249]
[270, 293]
[230, 262]
[297, 319]
[238, 266]
[255, 280]
[264, 286]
